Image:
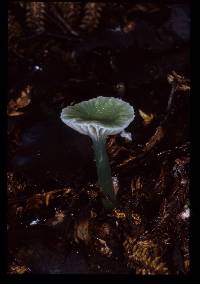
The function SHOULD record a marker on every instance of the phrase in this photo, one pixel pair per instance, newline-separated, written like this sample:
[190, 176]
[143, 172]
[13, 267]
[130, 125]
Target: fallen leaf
[22, 101]
[136, 184]
[35, 202]
[57, 219]
[104, 249]
[81, 231]
[136, 219]
[183, 84]
[19, 269]
[147, 118]
[119, 214]
[15, 113]
[145, 8]
[55, 193]
[129, 27]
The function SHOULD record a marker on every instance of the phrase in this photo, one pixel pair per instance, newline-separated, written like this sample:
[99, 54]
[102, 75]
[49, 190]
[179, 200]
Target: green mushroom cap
[99, 117]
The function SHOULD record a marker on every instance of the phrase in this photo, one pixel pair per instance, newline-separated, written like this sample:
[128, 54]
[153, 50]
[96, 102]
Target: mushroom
[98, 118]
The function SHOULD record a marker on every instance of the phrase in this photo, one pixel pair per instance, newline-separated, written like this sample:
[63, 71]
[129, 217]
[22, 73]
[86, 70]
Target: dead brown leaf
[183, 84]
[81, 231]
[103, 248]
[145, 8]
[35, 202]
[147, 118]
[54, 193]
[39, 200]
[19, 269]
[118, 214]
[129, 27]
[136, 219]
[22, 101]
[136, 184]
[15, 113]
[57, 219]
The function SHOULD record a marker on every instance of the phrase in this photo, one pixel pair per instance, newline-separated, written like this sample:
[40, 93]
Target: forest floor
[56, 222]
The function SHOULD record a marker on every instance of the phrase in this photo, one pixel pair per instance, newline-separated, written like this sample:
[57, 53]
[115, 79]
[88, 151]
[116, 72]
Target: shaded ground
[63, 54]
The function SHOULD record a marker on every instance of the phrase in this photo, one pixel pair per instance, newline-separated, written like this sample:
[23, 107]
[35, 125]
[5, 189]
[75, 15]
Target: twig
[64, 23]
[159, 134]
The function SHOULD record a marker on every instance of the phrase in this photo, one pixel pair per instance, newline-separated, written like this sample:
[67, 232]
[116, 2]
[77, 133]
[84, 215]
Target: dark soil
[56, 220]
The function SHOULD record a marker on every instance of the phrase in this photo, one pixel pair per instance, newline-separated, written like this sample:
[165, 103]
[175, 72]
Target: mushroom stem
[104, 172]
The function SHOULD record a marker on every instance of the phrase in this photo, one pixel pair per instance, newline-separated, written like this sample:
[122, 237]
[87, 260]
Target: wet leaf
[50, 195]
[147, 118]
[103, 248]
[24, 98]
[145, 8]
[57, 219]
[182, 83]
[15, 113]
[81, 231]
[136, 219]
[129, 27]
[119, 214]
[136, 184]
[19, 269]
[35, 202]
[22, 101]
[39, 200]
[93, 214]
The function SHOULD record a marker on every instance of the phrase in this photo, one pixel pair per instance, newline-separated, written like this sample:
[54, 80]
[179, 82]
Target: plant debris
[22, 101]
[62, 53]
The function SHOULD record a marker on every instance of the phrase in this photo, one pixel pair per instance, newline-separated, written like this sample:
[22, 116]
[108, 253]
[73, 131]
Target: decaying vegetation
[62, 53]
